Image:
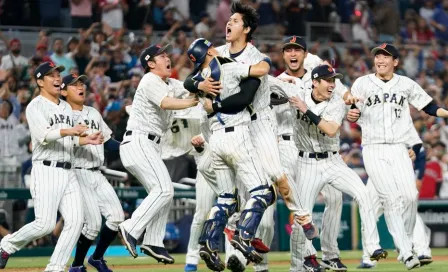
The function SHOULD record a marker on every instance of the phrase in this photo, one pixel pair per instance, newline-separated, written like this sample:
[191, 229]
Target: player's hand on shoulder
[193, 101]
[197, 141]
[412, 154]
[298, 103]
[353, 115]
[210, 86]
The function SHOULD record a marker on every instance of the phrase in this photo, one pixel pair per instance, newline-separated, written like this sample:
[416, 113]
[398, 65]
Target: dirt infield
[181, 266]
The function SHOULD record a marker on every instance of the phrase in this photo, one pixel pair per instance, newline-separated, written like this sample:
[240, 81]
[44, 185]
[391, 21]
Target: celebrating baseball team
[258, 138]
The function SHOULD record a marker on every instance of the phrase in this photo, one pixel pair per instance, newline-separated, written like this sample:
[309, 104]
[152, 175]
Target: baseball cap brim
[59, 68]
[82, 78]
[291, 44]
[334, 75]
[376, 49]
[167, 48]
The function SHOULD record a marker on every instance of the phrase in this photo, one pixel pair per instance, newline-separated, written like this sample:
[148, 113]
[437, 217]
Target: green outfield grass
[278, 262]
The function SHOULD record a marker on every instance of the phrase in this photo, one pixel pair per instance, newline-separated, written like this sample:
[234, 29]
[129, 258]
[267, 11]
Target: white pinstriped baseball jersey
[205, 126]
[384, 107]
[413, 137]
[308, 137]
[90, 156]
[311, 61]
[251, 55]
[231, 76]
[9, 136]
[146, 115]
[177, 140]
[43, 116]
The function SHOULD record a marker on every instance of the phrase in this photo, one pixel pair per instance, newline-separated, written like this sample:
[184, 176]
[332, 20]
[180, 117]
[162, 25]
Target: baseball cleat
[81, 268]
[158, 253]
[379, 254]
[211, 259]
[334, 264]
[248, 251]
[4, 256]
[366, 264]
[234, 264]
[191, 267]
[259, 245]
[412, 262]
[310, 231]
[425, 260]
[129, 241]
[100, 265]
[311, 264]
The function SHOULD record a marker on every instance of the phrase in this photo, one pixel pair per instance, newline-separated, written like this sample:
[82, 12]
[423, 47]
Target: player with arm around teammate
[319, 163]
[53, 184]
[299, 63]
[385, 121]
[99, 196]
[150, 118]
[232, 158]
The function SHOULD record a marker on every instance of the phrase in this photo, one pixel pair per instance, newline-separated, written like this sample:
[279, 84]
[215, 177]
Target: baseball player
[319, 163]
[10, 137]
[231, 148]
[295, 56]
[205, 199]
[151, 116]
[53, 184]
[422, 234]
[98, 195]
[385, 121]
[176, 145]
[239, 31]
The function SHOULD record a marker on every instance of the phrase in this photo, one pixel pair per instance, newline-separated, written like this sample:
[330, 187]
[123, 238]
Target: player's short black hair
[250, 17]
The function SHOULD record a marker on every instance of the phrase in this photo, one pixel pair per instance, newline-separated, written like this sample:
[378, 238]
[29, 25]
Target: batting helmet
[198, 50]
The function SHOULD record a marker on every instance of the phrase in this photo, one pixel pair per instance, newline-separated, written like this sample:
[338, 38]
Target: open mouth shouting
[228, 31]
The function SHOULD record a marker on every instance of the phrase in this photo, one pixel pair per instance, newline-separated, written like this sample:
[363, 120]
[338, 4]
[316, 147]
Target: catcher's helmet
[198, 50]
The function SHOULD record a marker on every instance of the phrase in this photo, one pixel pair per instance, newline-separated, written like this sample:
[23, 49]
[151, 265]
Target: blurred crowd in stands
[110, 34]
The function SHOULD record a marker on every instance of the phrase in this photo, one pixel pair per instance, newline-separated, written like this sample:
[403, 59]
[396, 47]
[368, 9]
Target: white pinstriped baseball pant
[141, 157]
[205, 199]
[421, 236]
[99, 199]
[312, 175]
[391, 173]
[52, 189]
[331, 220]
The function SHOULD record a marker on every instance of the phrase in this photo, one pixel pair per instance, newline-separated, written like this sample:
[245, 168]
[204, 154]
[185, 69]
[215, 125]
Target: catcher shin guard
[227, 204]
[260, 198]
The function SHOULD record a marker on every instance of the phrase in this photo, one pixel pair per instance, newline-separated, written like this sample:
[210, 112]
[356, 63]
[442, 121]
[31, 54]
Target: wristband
[53, 135]
[313, 117]
[268, 60]
[76, 140]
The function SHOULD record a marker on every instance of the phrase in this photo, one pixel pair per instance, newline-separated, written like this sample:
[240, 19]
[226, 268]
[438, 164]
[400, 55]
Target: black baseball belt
[322, 155]
[64, 165]
[150, 136]
[91, 169]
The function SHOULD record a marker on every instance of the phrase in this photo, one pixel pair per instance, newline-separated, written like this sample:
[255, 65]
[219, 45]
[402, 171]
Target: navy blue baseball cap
[386, 48]
[296, 41]
[324, 72]
[72, 79]
[47, 68]
[197, 51]
[150, 52]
